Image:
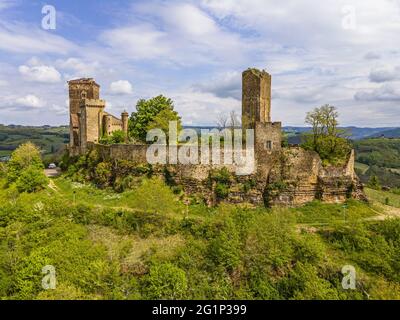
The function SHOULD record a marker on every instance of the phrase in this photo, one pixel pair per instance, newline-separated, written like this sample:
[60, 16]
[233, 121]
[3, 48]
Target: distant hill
[390, 133]
[354, 133]
[49, 139]
[380, 157]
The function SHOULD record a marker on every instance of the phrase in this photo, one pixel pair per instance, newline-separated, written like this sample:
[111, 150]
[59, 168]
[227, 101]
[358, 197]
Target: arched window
[83, 95]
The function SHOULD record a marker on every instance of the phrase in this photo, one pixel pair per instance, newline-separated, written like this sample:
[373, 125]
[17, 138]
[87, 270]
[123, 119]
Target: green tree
[326, 138]
[31, 179]
[157, 111]
[24, 156]
[374, 183]
[225, 247]
[161, 121]
[25, 169]
[116, 137]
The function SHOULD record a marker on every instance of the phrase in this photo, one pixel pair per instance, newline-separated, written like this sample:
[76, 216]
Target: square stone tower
[79, 89]
[256, 98]
[91, 121]
[256, 112]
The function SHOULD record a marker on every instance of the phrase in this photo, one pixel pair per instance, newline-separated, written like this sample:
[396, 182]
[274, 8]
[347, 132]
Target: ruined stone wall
[299, 177]
[130, 152]
[287, 177]
[268, 137]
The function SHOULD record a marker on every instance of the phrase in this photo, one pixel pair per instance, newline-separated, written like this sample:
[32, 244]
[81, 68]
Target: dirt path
[52, 172]
[387, 213]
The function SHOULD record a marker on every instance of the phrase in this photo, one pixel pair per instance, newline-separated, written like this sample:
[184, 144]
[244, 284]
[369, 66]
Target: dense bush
[25, 169]
[164, 281]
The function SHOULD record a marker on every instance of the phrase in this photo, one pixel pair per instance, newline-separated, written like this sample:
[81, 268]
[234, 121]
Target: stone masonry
[88, 120]
[282, 176]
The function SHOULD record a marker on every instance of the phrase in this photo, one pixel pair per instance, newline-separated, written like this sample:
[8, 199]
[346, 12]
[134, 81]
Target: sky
[345, 53]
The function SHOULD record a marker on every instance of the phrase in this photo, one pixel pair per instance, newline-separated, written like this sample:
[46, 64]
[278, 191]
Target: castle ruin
[282, 175]
[88, 120]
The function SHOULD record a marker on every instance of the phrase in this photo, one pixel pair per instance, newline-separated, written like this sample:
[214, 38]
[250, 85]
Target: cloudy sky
[345, 53]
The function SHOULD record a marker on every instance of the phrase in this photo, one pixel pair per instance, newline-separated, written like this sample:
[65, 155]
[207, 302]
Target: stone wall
[299, 177]
[286, 177]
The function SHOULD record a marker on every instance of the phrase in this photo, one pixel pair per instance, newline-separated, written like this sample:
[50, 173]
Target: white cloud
[386, 92]
[40, 73]
[225, 85]
[141, 41]
[372, 56]
[5, 4]
[29, 101]
[121, 87]
[78, 68]
[200, 108]
[177, 33]
[60, 110]
[21, 38]
[384, 75]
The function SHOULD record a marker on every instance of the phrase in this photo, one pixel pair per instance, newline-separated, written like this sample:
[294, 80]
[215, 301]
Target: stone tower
[256, 112]
[85, 88]
[124, 118]
[256, 98]
[91, 120]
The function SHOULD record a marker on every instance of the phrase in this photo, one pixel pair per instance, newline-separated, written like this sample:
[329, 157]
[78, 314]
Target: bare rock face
[299, 177]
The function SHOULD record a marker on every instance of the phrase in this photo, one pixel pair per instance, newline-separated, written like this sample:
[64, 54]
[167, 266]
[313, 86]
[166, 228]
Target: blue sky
[340, 52]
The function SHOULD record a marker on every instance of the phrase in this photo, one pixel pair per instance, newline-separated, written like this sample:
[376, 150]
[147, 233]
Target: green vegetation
[50, 140]
[381, 156]
[361, 167]
[380, 152]
[116, 137]
[374, 183]
[145, 243]
[326, 139]
[136, 237]
[383, 197]
[150, 114]
[25, 169]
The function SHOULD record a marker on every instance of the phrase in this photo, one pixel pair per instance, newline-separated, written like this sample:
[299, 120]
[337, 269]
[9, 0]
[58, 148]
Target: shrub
[32, 179]
[116, 137]
[221, 191]
[103, 174]
[165, 281]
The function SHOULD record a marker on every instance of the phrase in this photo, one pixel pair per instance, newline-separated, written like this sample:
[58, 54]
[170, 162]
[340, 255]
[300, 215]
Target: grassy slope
[381, 196]
[107, 227]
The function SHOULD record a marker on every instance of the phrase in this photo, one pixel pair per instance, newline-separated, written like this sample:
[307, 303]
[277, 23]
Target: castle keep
[88, 120]
[281, 175]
